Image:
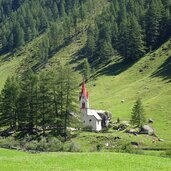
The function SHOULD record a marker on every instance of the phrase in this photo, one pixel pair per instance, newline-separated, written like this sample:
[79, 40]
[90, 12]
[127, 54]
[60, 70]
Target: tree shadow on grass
[164, 71]
[115, 69]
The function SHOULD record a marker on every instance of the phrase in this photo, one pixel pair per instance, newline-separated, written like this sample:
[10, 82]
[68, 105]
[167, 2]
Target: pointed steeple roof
[84, 91]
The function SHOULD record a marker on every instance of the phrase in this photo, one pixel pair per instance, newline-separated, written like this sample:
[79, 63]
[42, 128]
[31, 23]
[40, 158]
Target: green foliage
[138, 117]
[44, 144]
[87, 128]
[39, 101]
[133, 28]
[74, 147]
[9, 143]
[22, 21]
[8, 103]
[87, 69]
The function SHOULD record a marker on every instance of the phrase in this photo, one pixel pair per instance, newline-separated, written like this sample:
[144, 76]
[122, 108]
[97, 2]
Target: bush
[9, 142]
[42, 144]
[99, 147]
[93, 149]
[88, 128]
[74, 147]
[51, 145]
[31, 146]
[54, 144]
[128, 148]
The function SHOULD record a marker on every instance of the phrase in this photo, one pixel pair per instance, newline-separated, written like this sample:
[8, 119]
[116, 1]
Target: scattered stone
[150, 120]
[161, 140]
[123, 101]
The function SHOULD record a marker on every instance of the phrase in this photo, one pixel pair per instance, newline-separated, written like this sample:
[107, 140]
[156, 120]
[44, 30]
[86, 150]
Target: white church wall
[90, 120]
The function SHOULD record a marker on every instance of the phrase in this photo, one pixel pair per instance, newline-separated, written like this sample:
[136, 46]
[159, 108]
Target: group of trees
[23, 20]
[39, 102]
[130, 28]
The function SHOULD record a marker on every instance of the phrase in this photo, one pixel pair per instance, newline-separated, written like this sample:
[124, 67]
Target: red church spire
[84, 91]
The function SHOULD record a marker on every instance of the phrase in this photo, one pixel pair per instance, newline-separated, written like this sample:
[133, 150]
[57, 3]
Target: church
[96, 119]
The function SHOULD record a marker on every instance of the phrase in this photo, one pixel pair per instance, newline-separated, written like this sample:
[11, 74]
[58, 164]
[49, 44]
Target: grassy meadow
[17, 161]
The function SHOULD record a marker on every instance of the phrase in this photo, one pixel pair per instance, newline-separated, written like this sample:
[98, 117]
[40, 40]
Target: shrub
[54, 144]
[42, 145]
[31, 146]
[9, 142]
[128, 148]
[74, 147]
[88, 128]
[93, 149]
[99, 147]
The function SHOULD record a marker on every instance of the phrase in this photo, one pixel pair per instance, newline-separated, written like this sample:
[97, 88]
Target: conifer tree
[138, 116]
[87, 69]
[106, 51]
[8, 104]
[18, 36]
[91, 42]
[136, 45]
[27, 101]
[152, 25]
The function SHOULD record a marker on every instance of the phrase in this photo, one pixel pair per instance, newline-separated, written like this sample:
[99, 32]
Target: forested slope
[126, 44]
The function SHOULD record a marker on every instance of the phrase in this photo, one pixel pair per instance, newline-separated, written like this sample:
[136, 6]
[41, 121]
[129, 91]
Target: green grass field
[20, 161]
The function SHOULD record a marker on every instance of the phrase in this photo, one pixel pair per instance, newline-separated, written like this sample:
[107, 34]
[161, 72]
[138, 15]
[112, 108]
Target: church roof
[94, 113]
[84, 91]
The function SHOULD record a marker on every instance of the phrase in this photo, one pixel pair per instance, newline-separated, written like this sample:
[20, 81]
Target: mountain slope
[149, 78]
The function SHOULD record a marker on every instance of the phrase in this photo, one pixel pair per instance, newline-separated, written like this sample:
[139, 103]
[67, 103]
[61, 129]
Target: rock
[123, 101]
[146, 129]
[150, 120]
[161, 140]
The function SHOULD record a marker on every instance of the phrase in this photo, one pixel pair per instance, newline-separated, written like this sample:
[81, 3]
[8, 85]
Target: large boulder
[146, 129]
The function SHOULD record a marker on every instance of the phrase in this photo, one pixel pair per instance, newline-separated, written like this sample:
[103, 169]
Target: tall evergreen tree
[87, 69]
[136, 44]
[152, 25]
[8, 105]
[138, 117]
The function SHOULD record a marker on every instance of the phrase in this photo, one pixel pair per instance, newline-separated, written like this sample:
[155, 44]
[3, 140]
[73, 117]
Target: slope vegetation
[149, 79]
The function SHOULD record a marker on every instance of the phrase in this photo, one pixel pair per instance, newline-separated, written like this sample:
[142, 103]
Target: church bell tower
[84, 100]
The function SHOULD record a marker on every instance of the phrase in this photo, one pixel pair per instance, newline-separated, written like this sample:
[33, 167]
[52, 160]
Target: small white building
[97, 119]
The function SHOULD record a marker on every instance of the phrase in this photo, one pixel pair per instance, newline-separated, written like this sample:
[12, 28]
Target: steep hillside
[149, 78]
